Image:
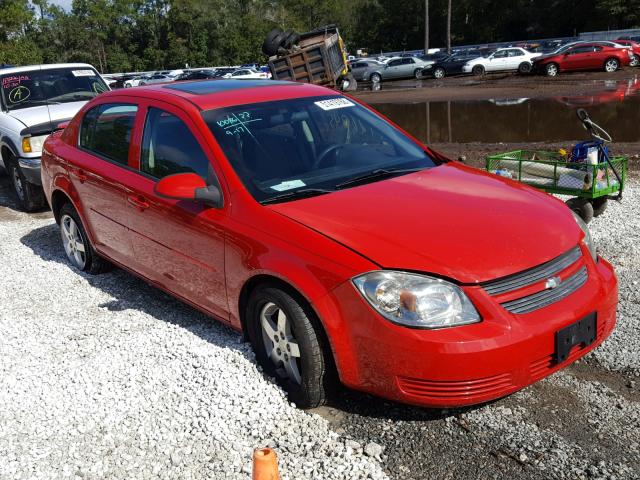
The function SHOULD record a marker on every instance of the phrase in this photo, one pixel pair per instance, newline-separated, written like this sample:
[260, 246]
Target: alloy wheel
[280, 343]
[439, 73]
[73, 242]
[611, 66]
[552, 70]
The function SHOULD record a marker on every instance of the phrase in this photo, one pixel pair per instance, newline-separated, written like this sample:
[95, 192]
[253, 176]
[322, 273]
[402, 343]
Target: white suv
[34, 101]
[502, 60]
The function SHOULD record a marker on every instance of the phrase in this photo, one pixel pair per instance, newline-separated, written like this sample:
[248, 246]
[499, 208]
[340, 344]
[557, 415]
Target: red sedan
[341, 247]
[583, 56]
[635, 49]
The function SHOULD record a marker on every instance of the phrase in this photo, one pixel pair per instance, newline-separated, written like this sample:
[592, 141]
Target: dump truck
[316, 57]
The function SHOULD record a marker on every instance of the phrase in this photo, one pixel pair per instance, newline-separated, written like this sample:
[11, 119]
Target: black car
[451, 65]
[197, 75]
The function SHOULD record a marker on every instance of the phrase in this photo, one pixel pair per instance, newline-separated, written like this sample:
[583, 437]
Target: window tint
[501, 54]
[597, 48]
[407, 61]
[515, 53]
[169, 147]
[395, 63]
[106, 130]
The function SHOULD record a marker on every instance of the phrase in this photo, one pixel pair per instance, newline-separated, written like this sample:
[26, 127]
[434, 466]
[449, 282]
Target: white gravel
[105, 377]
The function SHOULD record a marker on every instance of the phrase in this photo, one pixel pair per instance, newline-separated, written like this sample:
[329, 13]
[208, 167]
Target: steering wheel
[321, 156]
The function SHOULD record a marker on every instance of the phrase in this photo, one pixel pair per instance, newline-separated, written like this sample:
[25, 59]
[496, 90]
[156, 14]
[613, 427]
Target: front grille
[529, 277]
[547, 297]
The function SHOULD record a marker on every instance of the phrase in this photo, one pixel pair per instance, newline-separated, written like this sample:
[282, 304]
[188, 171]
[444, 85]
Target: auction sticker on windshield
[288, 185]
[334, 103]
[83, 73]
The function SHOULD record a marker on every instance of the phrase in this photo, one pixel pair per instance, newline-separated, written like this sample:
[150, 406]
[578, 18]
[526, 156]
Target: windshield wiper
[302, 193]
[375, 175]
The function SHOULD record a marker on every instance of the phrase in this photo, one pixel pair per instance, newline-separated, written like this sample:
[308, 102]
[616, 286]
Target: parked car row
[575, 56]
[249, 71]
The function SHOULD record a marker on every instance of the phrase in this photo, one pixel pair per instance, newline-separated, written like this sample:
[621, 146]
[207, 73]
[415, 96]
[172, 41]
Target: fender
[61, 183]
[8, 143]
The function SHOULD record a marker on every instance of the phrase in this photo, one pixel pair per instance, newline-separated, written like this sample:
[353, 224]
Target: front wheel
[635, 61]
[289, 344]
[551, 70]
[376, 78]
[439, 73]
[611, 65]
[417, 73]
[599, 206]
[30, 197]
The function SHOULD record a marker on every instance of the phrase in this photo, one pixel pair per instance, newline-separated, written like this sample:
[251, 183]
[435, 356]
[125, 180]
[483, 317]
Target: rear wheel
[417, 73]
[634, 61]
[582, 207]
[30, 197]
[439, 73]
[524, 68]
[76, 243]
[551, 70]
[289, 344]
[478, 70]
[375, 77]
[611, 65]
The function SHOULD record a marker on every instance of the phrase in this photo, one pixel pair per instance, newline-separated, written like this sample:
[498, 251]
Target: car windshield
[319, 144]
[50, 86]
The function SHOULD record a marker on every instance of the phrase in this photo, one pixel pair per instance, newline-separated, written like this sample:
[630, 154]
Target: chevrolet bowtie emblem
[553, 282]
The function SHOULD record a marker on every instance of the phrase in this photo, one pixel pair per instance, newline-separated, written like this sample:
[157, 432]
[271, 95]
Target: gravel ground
[106, 377]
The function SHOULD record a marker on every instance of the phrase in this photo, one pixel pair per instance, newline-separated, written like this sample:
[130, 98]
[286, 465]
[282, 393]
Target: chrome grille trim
[547, 297]
[531, 276]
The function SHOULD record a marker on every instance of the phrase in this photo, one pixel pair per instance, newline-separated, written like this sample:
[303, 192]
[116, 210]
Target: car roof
[220, 93]
[46, 66]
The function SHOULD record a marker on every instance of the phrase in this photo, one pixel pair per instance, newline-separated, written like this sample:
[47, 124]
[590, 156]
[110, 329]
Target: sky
[66, 4]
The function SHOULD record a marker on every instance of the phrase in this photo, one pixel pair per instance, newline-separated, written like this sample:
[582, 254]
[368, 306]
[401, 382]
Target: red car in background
[635, 48]
[583, 56]
[340, 246]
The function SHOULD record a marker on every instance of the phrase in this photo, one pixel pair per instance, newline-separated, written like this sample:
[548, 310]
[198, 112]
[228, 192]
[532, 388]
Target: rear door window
[169, 147]
[106, 131]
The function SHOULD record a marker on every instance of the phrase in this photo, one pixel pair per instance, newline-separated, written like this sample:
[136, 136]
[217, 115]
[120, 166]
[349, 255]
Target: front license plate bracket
[583, 332]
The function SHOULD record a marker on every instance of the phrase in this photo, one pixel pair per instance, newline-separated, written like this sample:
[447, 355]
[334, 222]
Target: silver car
[405, 67]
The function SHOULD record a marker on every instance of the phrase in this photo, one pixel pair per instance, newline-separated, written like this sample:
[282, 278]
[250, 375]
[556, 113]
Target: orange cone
[265, 464]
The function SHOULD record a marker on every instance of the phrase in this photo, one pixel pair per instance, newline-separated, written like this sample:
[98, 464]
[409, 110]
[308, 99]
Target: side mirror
[188, 186]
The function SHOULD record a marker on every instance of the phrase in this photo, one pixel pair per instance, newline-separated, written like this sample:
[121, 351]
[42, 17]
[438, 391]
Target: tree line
[135, 35]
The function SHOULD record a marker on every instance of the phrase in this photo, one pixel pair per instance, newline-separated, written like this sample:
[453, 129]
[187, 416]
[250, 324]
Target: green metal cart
[588, 173]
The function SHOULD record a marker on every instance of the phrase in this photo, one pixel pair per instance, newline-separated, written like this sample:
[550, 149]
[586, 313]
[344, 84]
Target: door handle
[138, 201]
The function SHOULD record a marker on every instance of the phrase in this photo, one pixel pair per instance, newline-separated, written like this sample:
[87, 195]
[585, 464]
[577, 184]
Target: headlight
[33, 144]
[416, 300]
[587, 240]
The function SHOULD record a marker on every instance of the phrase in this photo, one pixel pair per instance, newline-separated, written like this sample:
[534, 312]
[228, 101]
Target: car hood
[45, 114]
[452, 221]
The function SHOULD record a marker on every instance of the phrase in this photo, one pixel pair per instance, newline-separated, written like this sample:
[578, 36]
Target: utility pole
[449, 28]
[426, 27]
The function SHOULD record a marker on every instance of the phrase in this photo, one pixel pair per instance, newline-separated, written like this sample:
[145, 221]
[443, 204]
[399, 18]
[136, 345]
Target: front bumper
[467, 69]
[462, 365]
[30, 168]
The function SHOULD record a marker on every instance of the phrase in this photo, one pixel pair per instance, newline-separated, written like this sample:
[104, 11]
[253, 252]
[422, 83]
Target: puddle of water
[521, 120]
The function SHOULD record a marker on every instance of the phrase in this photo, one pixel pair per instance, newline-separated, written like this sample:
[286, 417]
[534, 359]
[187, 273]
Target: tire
[88, 260]
[599, 206]
[290, 40]
[349, 83]
[611, 65]
[417, 73]
[582, 207]
[635, 61]
[439, 73]
[30, 197]
[308, 382]
[478, 70]
[269, 47]
[376, 78]
[524, 68]
[551, 70]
